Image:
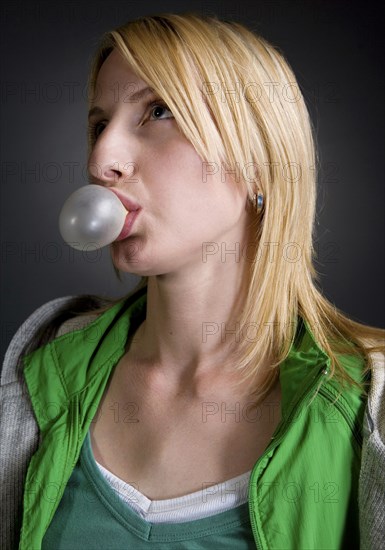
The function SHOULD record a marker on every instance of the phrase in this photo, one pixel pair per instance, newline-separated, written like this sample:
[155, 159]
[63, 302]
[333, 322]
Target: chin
[127, 258]
[130, 257]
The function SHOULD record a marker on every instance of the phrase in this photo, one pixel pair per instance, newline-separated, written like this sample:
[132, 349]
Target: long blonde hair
[236, 99]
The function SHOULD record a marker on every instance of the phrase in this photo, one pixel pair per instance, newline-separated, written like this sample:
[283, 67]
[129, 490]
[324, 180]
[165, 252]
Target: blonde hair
[194, 62]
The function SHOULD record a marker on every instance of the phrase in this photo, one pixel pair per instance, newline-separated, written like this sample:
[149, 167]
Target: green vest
[303, 490]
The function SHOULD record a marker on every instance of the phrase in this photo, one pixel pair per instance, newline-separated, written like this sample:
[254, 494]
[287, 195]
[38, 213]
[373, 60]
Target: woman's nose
[111, 174]
[112, 159]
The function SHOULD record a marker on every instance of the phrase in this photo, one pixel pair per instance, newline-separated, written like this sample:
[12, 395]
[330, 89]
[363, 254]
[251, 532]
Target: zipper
[73, 441]
[277, 437]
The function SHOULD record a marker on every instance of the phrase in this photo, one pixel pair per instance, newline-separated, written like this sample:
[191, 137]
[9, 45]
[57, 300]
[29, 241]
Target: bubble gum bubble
[92, 215]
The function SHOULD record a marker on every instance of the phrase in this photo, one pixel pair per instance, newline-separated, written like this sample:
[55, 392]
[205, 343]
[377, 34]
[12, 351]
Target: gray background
[335, 51]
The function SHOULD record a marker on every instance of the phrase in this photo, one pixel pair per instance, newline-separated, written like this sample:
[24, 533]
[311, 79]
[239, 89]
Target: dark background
[335, 49]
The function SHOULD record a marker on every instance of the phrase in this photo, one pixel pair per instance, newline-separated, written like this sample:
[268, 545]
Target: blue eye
[156, 106]
[158, 109]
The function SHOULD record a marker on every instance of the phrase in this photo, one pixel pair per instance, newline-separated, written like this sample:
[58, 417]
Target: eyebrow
[137, 96]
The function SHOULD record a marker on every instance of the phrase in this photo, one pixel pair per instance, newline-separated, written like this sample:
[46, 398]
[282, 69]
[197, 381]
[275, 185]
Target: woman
[220, 404]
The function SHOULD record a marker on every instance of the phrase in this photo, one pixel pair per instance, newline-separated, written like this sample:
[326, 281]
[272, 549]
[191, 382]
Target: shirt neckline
[160, 532]
[187, 500]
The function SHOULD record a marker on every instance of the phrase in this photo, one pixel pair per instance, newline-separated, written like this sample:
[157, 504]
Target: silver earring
[257, 202]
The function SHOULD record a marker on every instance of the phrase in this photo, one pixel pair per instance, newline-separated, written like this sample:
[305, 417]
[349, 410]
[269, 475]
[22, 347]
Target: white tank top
[200, 504]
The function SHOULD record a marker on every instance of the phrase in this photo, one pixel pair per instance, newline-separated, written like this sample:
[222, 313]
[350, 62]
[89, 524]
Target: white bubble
[92, 214]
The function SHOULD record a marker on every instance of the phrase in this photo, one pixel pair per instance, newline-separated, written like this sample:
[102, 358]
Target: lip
[127, 203]
[128, 223]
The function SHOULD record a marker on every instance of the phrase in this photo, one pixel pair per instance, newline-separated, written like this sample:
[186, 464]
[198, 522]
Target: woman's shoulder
[50, 320]
[76, 323]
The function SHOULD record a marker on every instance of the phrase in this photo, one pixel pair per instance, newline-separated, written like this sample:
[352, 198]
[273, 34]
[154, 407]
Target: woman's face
[141, 154]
